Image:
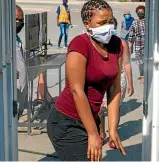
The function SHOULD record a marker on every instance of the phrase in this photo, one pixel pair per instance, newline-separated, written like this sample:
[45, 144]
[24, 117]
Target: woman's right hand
[116, 140]
[94, 147]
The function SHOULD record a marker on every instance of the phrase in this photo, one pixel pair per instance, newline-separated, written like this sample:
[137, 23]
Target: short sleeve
[79, 44]
[58, 10]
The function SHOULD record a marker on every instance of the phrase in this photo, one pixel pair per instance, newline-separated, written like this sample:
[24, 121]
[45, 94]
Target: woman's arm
[76, 75]
[75, 71]
[113, 97]
[127, 67]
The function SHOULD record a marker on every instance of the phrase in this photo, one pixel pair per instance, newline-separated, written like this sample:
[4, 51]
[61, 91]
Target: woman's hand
[115, 138]
[94, 147]
[130, 90]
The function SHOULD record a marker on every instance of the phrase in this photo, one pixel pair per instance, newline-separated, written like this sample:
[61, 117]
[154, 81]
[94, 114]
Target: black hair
[114, 21]
[90, 6]
[140, 7]
[114, 45]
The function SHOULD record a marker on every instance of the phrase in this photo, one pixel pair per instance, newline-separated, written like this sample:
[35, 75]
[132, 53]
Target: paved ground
[131, 110]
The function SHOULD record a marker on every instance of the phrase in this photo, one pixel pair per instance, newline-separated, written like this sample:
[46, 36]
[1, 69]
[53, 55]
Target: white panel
[148, 86]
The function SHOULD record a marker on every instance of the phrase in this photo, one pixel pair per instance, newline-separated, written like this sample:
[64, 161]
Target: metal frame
[37, 63]
[55, 63]
[155, 112]
[148, 85]
[8, 115]
[150, 147]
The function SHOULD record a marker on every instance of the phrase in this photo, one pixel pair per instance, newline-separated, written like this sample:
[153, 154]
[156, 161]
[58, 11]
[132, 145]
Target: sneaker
[65, 46]
[58, 47]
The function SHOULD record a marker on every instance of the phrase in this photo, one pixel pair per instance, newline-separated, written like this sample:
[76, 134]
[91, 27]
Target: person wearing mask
[63, 21]
[93, 66]
[137, 38]
[126, 85]
[126, 24]
[20, 59]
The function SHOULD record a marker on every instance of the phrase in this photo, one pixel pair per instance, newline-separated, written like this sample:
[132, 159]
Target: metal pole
[155, 112]
[2, 151]
[150, 146]
[148, 85]
[8, 123]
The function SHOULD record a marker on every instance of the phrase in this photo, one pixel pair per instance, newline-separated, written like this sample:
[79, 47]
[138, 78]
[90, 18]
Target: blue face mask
[127, 16]
[115, 33]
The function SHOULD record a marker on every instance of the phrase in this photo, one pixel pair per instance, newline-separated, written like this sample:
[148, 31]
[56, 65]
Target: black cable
[55, 84]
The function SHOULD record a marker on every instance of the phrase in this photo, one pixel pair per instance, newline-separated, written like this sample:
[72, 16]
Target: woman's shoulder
[124, 42]
[135, 21]
[80, 44]
[82, 38]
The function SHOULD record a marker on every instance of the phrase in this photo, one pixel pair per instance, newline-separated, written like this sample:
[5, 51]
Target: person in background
[93, 66]
[20, 59]
[137, 38]
[126, 24]
[63, 21]
[126, 84]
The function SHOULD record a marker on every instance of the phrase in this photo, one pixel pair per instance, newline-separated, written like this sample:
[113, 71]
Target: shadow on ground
[129, 106]
[133, 154]
[54, 158]
[130, 129]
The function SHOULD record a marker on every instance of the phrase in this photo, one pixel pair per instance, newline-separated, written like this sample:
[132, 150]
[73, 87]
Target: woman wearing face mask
[137, 37]
[92, 67]
[126, 24]
[126, 84]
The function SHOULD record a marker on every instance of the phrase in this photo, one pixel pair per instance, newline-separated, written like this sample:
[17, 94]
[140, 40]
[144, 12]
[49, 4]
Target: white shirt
[21, 66]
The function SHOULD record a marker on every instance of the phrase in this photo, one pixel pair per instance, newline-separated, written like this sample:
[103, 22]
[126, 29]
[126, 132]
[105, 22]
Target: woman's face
[141, 13]
[99, 18]
[65, 1]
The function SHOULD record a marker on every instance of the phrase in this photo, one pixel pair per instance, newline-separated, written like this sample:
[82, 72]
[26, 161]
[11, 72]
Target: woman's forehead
[103, 14]
[140, 10]
[19, 13]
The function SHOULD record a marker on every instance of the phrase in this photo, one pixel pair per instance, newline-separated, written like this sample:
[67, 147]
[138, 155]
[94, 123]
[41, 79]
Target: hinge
[15, 108]
[145, 108]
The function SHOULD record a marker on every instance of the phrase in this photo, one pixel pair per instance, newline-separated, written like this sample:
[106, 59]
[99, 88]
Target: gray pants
[141, 69]
[22, 100]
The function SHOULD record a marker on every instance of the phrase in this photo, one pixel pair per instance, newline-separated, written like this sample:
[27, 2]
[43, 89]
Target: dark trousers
[68, 136]
[141, 69]
[63, 32]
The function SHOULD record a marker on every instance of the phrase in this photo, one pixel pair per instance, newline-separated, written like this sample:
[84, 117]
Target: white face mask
[103, 33]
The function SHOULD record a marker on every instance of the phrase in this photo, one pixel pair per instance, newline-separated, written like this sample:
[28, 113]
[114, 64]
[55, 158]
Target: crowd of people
[98, 73]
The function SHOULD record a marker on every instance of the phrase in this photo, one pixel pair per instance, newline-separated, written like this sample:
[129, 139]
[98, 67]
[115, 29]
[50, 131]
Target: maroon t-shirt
[100, 74]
